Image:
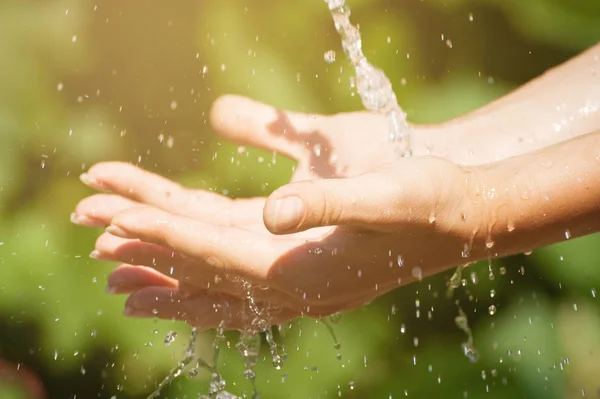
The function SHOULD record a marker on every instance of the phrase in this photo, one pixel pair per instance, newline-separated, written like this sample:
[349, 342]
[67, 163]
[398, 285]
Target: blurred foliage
[83, 81]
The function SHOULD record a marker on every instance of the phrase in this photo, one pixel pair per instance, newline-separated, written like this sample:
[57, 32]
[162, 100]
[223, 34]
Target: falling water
[189, 357]
[335, 318]
[373, 86]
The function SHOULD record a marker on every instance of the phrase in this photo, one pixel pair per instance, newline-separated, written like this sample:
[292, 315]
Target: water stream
[373, 86]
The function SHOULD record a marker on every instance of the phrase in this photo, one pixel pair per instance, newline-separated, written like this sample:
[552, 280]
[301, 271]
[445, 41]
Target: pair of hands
[355, 222]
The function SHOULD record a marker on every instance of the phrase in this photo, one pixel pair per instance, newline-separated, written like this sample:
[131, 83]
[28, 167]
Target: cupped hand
[186, 254]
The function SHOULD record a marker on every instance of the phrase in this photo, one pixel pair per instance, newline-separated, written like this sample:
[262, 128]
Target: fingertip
[225, 107]
[284, 212]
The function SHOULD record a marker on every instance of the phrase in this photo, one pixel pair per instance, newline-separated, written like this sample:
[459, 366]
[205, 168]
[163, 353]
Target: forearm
[537, 199]
[561, 104]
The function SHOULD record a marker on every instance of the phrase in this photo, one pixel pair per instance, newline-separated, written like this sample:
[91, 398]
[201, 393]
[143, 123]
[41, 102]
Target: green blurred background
[84, 81]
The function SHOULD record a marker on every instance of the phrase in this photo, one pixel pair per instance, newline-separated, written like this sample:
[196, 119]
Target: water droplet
[417, 272]
[317, 150]
[567, 234]
[510, 226]
[173, 105]
[474, 278]
[400, 261]
[492, 293]
[492, 310]
[335, 318]
[170, 338]
[329, 56]
[466, 252]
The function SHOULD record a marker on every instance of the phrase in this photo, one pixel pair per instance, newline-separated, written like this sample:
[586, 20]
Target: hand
[190, 273]
[390, 220]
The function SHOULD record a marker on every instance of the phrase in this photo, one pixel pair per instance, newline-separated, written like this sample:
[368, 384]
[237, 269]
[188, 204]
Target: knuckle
[330, 209]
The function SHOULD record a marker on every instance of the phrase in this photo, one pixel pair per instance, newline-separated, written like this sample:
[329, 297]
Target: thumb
[368, 200]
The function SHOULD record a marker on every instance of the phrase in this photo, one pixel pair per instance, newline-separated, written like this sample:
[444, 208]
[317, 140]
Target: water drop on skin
[567, 234]
[417, 272]
[431, 218]
[510, 226]
[317, 150]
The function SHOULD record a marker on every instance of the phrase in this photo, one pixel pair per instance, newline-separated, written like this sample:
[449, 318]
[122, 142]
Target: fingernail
[110, 290]
[288, 213]
[83, 220]
[88, 180]
[137, 313]
[117, 231]
[95, 254]
[92, 182]
[121, 289]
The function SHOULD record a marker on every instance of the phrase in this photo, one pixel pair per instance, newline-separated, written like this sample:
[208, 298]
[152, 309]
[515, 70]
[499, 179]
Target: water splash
[468, 347]
[455, 281]
[373, 86]
[249, 348]
[461, 320]
[335, 318]
[189, 357]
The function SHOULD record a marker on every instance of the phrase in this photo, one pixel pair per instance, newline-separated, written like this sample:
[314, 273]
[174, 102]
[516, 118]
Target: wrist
[536, 199]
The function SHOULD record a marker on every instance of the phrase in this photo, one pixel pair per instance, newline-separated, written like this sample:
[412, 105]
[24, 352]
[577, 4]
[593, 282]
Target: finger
[204, 311]
[246, 121]
[369, 201]
[126, 279]
[149, 189]
[137, 184]
[115, 249]
[98, 210]
[222, 250]
[192, 274]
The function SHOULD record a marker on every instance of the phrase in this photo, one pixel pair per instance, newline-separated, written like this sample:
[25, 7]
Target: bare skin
[342, 240]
